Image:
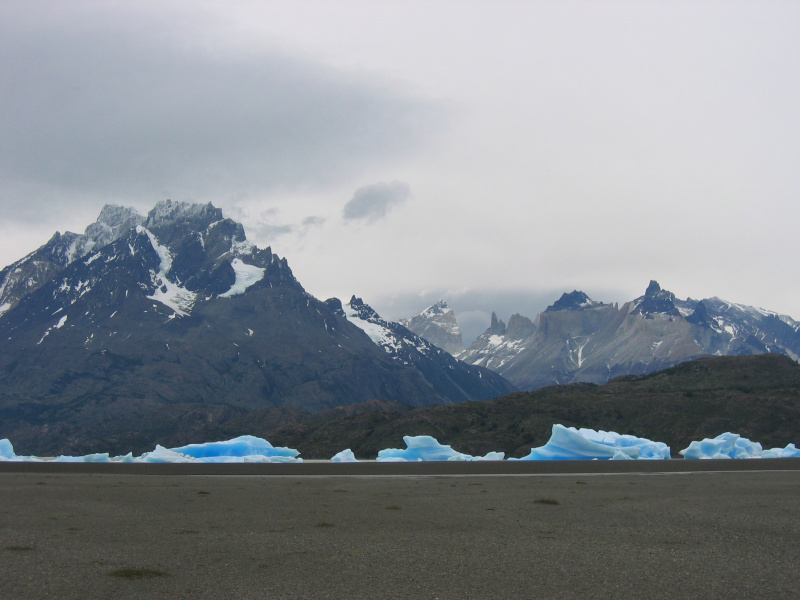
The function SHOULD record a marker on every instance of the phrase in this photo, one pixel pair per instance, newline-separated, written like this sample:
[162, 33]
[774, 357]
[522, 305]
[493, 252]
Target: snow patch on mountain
[246, 275]
[377, 331]
[168, 293]
[58, 325]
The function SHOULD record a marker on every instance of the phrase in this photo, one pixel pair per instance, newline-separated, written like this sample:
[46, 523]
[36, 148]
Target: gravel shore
[579, 531]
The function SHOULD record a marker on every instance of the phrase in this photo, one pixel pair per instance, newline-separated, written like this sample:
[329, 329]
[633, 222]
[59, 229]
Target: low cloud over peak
[373, 202]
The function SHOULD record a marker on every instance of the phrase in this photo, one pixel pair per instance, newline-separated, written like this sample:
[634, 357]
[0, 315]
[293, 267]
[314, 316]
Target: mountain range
[172, 328]
[146, 328]
[577, 339]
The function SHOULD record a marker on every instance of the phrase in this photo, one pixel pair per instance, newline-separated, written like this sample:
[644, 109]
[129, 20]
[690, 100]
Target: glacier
[565, 443]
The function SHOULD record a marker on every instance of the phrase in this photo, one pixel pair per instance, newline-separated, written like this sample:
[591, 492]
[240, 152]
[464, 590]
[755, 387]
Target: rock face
[147, 326]
[438, 325]
[580, 340]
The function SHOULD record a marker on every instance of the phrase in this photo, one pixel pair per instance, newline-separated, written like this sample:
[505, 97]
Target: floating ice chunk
[732, 445]
[344, 456]
[245, 446]
[648, 449]
[252, 458]
[88, 458]
[621, 456]
[568, 443]
[788, 452]
[489, 456]
[6, 450]
[7, 453]
[163, 455]
[725, 445]
[427, 448]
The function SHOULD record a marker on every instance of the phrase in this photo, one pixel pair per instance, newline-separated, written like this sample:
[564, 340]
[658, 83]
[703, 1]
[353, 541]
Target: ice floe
[427, 448]
[732, 445]
[344, 456]
[569, 443]
[243, 449]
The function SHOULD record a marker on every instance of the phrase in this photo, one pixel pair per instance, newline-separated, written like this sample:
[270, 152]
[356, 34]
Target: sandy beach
[569, 530]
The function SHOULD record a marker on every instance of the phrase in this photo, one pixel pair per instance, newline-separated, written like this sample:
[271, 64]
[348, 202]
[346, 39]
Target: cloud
[373, 202]
[101, 108]
[309, 222]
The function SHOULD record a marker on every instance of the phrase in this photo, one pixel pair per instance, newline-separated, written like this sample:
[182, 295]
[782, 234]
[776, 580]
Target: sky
[494, 154]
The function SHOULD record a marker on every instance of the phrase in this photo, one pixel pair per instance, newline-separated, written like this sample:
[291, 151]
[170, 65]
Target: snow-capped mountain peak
[438, 324]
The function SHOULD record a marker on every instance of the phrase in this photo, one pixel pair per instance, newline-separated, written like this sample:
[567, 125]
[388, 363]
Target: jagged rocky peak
[361, 309]
[439, 308]
[28, 274]
[438, 325]
[574, 300]
[170, 212]
[171, 219]
[656, 301]
[701, 317]
[114, 221]
[497, 327]
[519, 327]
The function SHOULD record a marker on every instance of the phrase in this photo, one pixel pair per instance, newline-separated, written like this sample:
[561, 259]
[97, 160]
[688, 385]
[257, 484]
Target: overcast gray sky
[493, 153]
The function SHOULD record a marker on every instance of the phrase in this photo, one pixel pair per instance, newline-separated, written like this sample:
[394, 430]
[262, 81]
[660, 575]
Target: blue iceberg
[427, 448]
[569, 443]
[790, 451]
[344, 456]
[732, 445]
[245, 448]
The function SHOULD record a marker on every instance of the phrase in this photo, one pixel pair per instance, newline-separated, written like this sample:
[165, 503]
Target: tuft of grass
[137, 573]
[393, 507]
[323, 524]
[187, 532]
[552, 501]
[20, 548]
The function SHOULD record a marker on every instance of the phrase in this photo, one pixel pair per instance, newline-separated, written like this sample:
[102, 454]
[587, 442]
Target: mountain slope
[180, 314]
[31, 272]
[755, 396]
[579, 339]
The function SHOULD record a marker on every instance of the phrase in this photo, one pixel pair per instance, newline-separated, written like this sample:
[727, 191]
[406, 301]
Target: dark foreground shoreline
[327, 468]
[565, 529]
